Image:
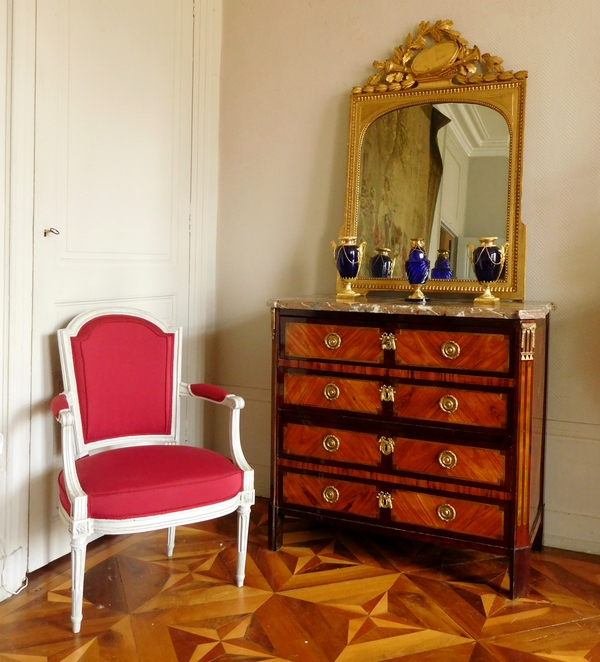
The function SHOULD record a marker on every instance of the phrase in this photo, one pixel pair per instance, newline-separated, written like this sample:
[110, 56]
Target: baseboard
[580, 533]
[572, 486]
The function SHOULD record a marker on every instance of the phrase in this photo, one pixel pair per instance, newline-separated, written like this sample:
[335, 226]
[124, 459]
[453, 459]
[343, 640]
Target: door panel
[112, 176]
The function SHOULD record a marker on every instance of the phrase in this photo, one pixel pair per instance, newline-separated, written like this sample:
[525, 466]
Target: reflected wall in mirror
[435, 151]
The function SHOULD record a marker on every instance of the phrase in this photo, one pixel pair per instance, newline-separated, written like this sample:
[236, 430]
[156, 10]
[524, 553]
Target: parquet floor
[328, 595]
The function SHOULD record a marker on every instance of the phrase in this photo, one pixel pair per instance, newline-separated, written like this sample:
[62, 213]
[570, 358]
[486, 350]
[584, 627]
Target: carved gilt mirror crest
[435, 151]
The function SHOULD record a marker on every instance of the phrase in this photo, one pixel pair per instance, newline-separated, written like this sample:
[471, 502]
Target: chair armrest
[59, 404]
[212, 393]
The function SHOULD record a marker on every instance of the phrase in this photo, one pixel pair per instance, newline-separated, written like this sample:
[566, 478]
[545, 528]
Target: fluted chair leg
[243, 525]
[170, 540]
[78, 550]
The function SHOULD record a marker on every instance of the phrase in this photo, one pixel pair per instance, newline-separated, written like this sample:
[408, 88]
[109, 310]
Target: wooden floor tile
[327, 596]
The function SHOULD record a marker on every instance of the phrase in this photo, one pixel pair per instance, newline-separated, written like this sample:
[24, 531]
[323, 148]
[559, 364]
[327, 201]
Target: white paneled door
[112, 192]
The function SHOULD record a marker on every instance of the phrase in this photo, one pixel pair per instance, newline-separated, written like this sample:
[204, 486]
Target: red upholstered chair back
[125, 371]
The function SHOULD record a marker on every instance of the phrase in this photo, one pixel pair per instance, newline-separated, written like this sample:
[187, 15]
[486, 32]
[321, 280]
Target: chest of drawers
[425, 422]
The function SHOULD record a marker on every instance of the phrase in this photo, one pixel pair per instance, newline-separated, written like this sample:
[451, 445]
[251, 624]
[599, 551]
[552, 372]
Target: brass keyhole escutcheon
[450, 349]
[384, 499]
[446, 512]
[331, 443]
[387, 393]
[447, 459]
[448, 404]
[388, 341]
[330, 494]
[331, 392]
[332, 341]
[386, 445]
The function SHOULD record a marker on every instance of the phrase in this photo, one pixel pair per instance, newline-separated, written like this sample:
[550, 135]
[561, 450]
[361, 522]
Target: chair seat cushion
[153, 480]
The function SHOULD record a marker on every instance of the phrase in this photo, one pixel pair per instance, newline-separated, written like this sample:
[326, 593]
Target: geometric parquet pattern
[327, 596]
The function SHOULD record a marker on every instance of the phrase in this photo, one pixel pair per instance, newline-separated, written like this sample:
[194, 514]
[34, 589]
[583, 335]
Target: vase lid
[347, 241]
[487, 241]
[417, 242]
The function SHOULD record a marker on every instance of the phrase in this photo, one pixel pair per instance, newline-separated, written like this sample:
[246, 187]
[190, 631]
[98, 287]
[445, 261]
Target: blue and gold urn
[487, 261]
[441, 269]
[382, 264]
[417, 269]
[347, 256]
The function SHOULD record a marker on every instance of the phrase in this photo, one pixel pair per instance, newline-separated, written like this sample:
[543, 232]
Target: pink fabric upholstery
[124, 373]
[209, 391]
[59, 403]
[153, 480]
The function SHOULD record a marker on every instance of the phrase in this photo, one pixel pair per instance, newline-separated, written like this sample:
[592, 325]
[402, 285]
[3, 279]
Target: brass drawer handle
[386, 445]
[450, 349]
[446, 512]
[331, 443]
[387, 393]
[448, 404]
[388, 341]
[447, 459]
[331, 392]
[384, 499]
[332, 341]
[330, 494]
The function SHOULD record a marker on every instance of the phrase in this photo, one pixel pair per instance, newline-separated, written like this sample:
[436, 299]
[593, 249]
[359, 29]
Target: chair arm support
[235, 403]
[78, 498]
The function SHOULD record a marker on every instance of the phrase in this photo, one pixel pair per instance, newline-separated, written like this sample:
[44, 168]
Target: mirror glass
[438, 171]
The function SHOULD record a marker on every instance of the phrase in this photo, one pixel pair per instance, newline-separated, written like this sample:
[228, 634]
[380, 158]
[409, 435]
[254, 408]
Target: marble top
[396, 305]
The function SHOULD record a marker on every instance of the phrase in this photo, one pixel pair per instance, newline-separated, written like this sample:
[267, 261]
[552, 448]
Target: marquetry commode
[425, 421]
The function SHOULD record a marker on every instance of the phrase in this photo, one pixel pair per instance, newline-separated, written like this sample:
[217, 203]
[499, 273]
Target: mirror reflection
[436, 171]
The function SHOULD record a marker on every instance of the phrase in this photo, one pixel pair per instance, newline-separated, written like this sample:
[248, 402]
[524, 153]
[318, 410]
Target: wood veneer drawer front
[468, 517]
[333, 341]
[331, 444]
[481, 465]
[332, 393]
[460, 351]
[450, 405]
[330, 494]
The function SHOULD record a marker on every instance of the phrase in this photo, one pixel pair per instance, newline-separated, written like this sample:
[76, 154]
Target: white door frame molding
[18, 22]
[20, 66]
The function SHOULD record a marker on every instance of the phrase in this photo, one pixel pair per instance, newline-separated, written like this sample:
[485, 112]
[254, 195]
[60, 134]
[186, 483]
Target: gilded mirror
[435, 152]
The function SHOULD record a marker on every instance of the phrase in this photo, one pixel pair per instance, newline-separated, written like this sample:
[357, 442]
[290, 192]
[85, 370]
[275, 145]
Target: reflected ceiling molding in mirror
[435, 151]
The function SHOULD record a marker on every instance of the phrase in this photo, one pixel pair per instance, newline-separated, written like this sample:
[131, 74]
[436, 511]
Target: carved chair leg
[170, 540]
[243, 525]
[78, 549]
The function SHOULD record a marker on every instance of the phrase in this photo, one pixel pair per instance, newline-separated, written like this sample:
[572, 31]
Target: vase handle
[334, 246]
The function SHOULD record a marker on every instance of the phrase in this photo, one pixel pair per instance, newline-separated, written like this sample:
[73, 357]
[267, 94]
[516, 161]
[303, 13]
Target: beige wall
[287, 69]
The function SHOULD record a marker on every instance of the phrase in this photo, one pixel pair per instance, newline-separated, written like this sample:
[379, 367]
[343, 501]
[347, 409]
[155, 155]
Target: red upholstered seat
[153, 480]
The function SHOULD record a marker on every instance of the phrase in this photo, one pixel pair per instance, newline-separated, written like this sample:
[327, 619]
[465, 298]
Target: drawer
[448, 514]
[332, 393]
[488, 352]
[451, 405]
[330, 493]
[331, 444]
[479, 465]
[333, 341]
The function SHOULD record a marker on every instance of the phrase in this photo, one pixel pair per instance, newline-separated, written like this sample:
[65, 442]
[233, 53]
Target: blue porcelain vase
[381, 264]
[347, 256]
[417, 269]
[441, 269]
[488, 262]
